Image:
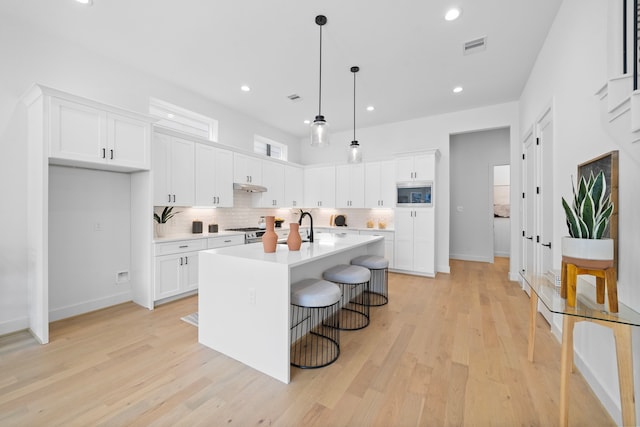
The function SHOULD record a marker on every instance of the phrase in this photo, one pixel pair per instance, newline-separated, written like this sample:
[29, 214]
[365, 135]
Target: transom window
[183, 120]
[269, 148]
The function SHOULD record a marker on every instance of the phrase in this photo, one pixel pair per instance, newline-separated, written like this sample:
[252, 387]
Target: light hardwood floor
[444, 351]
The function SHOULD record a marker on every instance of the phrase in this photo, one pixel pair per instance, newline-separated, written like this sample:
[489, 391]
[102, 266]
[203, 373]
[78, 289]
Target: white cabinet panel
[415, 240]
[420, 167]
[293, 186]
[176, 267]
[91, 135]
[389, 237]
[213, 176]
[173, 171]
[273, 180]
[320, 187]
[380, 184]
[247, 169]
[350, 186]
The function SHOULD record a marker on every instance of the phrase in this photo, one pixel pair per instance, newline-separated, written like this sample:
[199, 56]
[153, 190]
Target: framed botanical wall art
[607, 163]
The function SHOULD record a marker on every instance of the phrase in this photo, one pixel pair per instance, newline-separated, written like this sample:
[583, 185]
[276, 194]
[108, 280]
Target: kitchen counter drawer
[220, 242]
[180, 246]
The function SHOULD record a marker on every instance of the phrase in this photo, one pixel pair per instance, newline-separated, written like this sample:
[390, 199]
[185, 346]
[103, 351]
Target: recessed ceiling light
[245, 88]
[457, 89]
[86, 2]
[371, 108]
[452, 14]
[307, 122]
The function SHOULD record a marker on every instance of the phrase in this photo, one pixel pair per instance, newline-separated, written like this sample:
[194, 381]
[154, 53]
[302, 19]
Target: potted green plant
[161, 220]
[587, 220]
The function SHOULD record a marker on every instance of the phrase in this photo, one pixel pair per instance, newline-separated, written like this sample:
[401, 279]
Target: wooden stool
[605, 274]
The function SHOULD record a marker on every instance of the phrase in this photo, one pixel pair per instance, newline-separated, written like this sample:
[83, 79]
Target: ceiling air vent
[475, 45]
[294, 97]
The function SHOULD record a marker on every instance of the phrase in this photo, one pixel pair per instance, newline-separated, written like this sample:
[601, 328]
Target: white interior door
[528, 204]
[545, 148]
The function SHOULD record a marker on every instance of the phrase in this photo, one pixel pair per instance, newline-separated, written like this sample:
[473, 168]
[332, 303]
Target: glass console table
[586, 309]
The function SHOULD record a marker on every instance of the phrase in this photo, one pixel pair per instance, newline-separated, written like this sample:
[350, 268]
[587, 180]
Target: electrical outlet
[252, 296]
[97, 226]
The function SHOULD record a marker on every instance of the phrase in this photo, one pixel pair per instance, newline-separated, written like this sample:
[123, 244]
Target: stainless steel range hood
[249, 188]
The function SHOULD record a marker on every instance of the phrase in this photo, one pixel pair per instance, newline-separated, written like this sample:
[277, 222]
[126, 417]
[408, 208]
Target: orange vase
[294, 241]
[269, 238]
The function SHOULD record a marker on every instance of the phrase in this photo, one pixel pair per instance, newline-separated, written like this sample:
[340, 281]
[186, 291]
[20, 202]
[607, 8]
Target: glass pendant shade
[319, 132]
[355, 153]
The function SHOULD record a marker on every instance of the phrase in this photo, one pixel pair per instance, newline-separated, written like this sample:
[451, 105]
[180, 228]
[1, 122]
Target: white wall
[433, 132]
[473, 157]
[570, 68]
[28, 57]
[89, 240]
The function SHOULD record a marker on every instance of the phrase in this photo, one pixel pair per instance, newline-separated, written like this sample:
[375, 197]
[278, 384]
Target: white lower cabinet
[415, 240]
[176, 263]
[176, 267]
[388, 243]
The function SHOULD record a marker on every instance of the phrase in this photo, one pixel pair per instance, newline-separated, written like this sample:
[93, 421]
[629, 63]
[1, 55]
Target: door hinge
[537, 239]
[537, 190]
[522, 233]
[523, 157]
[537, 141]
[523, 195]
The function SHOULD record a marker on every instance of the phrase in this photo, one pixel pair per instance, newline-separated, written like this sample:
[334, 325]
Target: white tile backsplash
[244, 215]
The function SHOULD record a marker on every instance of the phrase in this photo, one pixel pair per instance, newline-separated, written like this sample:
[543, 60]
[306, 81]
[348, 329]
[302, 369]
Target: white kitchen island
[243, 301]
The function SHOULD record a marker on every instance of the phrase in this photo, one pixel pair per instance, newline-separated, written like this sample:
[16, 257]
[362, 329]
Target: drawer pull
[227, 241]
[183, 246]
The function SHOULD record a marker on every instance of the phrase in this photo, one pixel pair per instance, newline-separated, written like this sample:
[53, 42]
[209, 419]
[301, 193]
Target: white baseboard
[443, 269]
[502, 254]
[14, 325]
[515, 277]
[87, 306]
[471, 258]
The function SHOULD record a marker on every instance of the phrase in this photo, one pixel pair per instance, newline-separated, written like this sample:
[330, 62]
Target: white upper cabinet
[213, 176]
[420, 167]
[350, 186]
[97, 136]
[293, 186]
[273, 179]
[173, 171]
[247, 169]
[380, 184]
[320, 187]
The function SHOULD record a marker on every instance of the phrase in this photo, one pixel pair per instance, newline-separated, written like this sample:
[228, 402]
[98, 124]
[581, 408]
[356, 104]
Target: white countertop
[191, 236]
[325, 244]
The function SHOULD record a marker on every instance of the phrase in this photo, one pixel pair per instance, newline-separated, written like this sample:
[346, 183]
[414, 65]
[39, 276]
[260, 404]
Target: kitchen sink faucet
[302, 215]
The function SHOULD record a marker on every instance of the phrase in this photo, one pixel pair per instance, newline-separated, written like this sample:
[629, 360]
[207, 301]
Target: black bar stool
[315, 329]
[379, 285]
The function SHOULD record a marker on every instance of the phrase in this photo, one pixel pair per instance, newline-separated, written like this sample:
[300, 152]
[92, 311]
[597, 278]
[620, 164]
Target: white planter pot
[595, 249]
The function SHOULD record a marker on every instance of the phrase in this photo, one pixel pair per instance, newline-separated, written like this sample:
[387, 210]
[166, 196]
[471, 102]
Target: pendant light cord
[354, 105]
[320, 90]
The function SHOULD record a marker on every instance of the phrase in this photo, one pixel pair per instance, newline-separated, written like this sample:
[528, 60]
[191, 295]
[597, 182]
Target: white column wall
[571, 67]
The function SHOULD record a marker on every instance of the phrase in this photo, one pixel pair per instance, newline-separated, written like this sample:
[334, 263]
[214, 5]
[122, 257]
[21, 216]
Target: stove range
[251, 234]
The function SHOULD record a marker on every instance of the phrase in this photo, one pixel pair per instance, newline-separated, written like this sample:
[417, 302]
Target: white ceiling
[410, 58]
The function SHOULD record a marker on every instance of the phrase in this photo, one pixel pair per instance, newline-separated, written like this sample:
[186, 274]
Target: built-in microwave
[414, 193]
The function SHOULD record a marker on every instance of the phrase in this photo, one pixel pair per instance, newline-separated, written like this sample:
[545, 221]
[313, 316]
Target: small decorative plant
[591, 211]
[166, 215]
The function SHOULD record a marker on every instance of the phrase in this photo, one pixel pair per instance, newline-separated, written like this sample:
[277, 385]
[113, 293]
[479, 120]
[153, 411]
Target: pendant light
[319, 127]
[355, 152]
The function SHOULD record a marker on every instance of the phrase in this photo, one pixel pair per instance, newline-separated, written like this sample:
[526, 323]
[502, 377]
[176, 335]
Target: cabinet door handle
[111, 154]
[180, 260]
[174, 198]
[104, 153]
[227, 241]
[183, 246]
[186, 260]
[169, 198]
